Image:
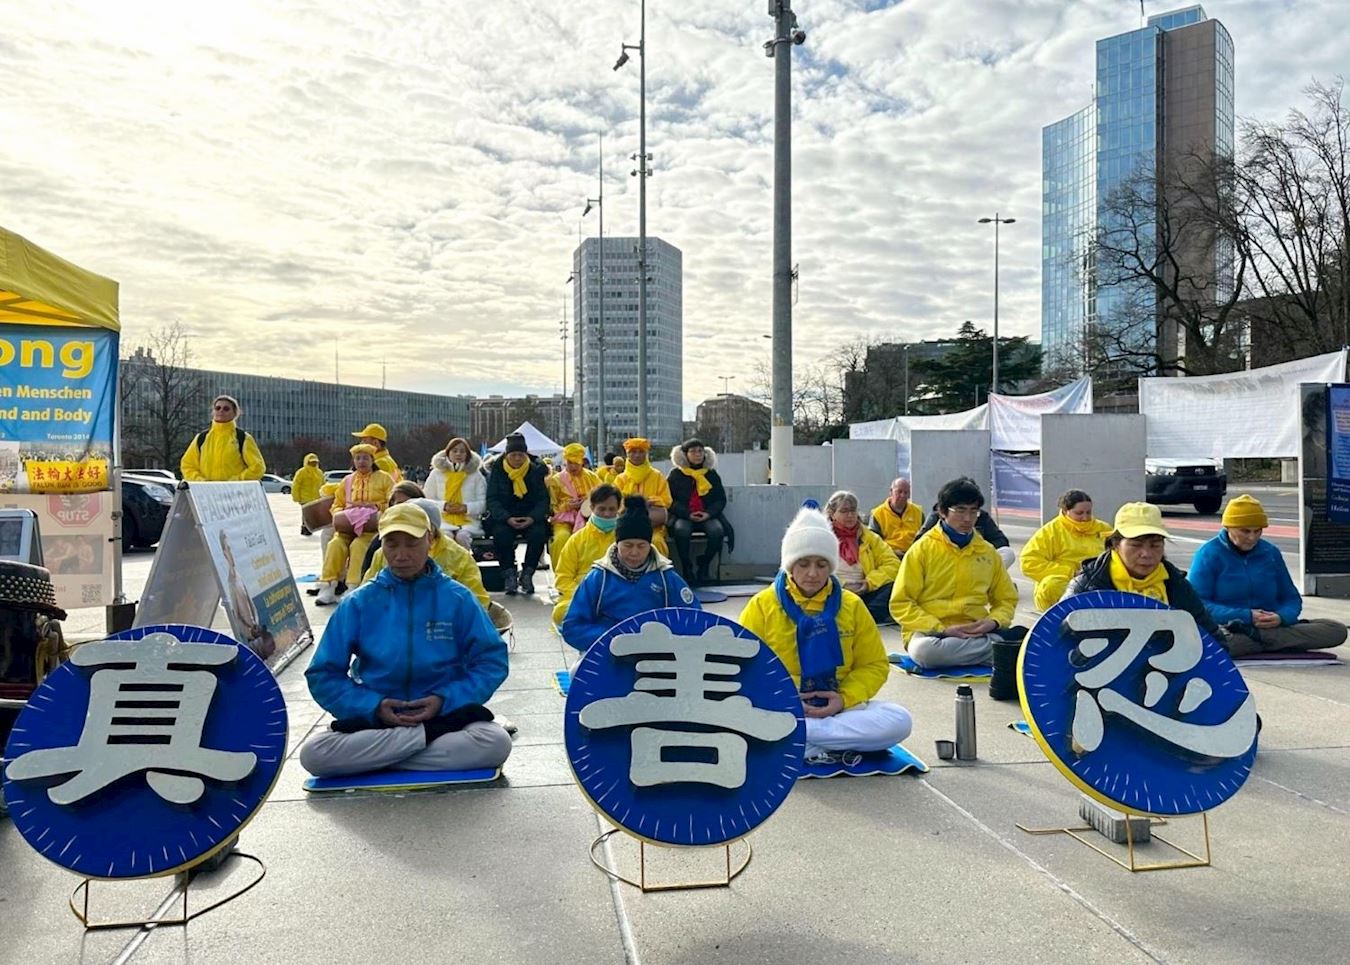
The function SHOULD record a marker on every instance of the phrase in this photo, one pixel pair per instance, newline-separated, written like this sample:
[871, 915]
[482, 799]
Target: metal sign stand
[81, 892]
[1077, 833]
[642, 883]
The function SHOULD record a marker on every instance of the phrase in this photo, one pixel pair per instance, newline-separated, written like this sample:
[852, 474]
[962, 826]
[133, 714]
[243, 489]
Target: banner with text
[78, 531]
[58, 398]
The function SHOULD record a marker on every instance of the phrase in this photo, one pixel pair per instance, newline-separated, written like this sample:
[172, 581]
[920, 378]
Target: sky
[403, 181]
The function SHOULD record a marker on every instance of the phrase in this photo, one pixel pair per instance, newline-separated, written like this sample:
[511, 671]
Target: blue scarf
[819, 649]
[962, 540]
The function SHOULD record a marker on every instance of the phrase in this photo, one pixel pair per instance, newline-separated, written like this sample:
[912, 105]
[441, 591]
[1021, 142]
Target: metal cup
[946, 750]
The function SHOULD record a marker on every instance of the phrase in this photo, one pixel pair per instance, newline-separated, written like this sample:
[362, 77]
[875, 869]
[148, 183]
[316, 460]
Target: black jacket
[502, 503]
[682, 490]
[985, 526]
[1096, 575]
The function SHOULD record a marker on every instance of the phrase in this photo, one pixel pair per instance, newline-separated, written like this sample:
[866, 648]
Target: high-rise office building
[1163, 92]
[665, 339]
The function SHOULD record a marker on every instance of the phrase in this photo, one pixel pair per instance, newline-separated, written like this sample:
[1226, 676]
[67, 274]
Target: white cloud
[404, 181]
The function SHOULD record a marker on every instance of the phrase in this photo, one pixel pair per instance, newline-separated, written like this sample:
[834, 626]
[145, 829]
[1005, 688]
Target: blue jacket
[1233, 585]
[410, 639]
[605, 598]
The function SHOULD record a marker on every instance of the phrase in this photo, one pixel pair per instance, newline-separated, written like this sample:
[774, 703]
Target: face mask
[603, 524]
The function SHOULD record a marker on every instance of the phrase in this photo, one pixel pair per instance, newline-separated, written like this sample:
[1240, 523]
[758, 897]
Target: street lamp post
[599, 203]
[995, 221]
[642, 172]
[579, 402]
[786, 35]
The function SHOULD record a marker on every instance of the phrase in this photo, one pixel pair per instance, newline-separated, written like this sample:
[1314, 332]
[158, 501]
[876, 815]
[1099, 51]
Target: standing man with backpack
[224, 452]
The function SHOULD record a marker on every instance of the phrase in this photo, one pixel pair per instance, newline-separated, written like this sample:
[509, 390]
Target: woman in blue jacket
[1246, 587]
[631, 578]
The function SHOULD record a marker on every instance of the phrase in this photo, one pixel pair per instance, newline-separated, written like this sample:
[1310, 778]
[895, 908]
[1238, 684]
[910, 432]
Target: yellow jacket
[372, 489]
[582, 548]
[558, 496]
[898, 531]
[1056, 550]
[940, 585]
[219, 459]
[653, 487]
[383, 460]
[455, 562]
[879, 563]
[306, 483]
[865, 667]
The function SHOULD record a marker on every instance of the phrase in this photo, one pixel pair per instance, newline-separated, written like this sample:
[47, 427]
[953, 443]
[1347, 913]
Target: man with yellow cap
[1246, 587]
[568, 490]
[640, 479]
[376, 436]
[429, 659]
[357, 504]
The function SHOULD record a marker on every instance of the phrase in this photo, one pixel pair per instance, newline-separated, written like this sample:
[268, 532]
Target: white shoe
[326, 595]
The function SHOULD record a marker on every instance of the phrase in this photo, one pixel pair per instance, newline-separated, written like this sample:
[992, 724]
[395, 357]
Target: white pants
[478, 745]
[934, 653]
[872, 726]
[325, 537]
[1006, 554]
[463, 535]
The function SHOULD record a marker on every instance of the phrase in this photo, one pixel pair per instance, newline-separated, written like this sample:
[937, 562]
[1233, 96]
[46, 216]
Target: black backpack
[239, 435]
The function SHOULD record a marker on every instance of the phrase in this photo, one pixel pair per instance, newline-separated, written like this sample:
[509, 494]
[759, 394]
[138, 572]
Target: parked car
[1200, 482]
[335, 475]
[145, 507]
[169, 477]
[272, 483]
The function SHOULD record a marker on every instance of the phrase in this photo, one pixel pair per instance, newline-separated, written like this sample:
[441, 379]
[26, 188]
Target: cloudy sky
[404, 179]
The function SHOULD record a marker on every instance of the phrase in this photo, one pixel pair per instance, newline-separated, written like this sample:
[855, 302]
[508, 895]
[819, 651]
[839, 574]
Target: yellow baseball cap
[1140, 519]
[404, 518]
[373, 431]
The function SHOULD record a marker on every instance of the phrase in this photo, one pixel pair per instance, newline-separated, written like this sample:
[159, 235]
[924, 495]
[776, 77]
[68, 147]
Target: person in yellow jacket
[954, 598]
[1058, 549]
[224, 452]
[307, 481]
[614, 465]
[867, 566]
[374, 435]
[897, 520]
[454, 560]
[357, 504]
[639, 478]
[567, 491]
[585, 546]
[829, 643]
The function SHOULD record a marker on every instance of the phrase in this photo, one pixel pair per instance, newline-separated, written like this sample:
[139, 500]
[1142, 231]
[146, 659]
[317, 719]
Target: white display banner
[78, 534]
[1253, 414]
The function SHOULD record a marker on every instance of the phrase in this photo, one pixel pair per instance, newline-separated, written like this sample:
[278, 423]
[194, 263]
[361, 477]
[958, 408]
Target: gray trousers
[479, 745]
[1303, 635]
[933, 653]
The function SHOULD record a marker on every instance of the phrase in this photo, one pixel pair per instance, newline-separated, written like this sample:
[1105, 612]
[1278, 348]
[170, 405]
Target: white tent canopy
[539, 444]
[1252, 414]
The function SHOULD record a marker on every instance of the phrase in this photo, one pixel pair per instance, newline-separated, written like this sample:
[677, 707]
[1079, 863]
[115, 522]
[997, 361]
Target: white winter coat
[473, 492]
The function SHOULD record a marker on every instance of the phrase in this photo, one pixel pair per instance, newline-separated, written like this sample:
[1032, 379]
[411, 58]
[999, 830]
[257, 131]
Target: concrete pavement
[925, 869]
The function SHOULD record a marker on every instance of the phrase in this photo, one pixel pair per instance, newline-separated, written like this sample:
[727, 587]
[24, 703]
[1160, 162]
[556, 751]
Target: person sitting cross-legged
[1246, 587]
[984, 525]
[897, 520]
[829, 643]
[1055, 551]
[405, 667]
[867, 566]
[631, 578]
[953, 598]
[585, 546]
[517, 505]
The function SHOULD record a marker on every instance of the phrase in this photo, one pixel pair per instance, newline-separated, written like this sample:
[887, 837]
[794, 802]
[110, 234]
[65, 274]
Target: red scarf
[848, 543]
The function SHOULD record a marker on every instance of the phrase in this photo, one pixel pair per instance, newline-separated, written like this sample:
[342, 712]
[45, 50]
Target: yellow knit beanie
[1245, 512]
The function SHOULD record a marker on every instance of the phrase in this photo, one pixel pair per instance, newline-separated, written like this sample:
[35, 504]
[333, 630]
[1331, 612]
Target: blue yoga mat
[706, 595]
[897, 760]
[1021, 726]
[562, 681]
[402, 780]
[903, 661]
[308, 578]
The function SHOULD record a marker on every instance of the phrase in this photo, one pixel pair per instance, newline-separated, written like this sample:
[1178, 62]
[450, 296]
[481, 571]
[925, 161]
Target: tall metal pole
[779, 48]
[600, 439]
[642, 224]
[993, 385]
[579, 346]
[562, 332]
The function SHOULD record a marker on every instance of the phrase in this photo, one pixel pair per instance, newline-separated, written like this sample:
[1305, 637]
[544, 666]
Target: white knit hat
[810, 534]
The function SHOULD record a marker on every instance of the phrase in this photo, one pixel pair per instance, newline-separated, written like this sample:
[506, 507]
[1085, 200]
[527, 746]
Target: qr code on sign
[91, 593]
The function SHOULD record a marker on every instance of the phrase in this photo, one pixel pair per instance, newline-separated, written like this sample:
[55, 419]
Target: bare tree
[163, 398]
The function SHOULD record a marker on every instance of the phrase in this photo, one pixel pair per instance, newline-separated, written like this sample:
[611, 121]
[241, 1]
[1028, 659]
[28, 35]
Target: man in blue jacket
[405, 666]
[1247, 589]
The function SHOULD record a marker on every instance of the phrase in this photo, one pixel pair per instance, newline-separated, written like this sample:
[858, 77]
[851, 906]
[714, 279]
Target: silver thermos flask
[965, 723]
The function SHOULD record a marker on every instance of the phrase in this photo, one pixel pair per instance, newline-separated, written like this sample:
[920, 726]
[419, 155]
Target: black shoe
[509, 582]
[527, 582]
[341, 588]
[313, 591]
[304, 530]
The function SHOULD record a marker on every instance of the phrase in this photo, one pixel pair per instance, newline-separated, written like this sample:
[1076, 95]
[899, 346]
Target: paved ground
[926, 869]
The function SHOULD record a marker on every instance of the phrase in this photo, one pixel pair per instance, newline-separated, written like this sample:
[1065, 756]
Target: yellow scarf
[700, 477]
[1153, 586]
[1086, 528]
[638, 475]
[454, 483]
[517, 477]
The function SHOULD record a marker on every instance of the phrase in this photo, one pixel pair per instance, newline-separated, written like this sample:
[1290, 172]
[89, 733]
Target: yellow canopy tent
[38, 288]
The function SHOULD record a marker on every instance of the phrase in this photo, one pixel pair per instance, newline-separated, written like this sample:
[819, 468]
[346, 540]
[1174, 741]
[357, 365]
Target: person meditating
[897, 520]
[357, 504]
[867, 566]
[697, 501]
[829, 643]
[405, 667]
[984, 525]
[639, 479]
[517, 506]
[455, 481]
[631, 578]
[568, 490]
[585, 546]
[954, 598]
[1055, 551]
[1246, 587]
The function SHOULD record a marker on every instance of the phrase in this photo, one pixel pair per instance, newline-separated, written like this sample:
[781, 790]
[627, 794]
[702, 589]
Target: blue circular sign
[146, 752]
[1136, 705]
[683, 728]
